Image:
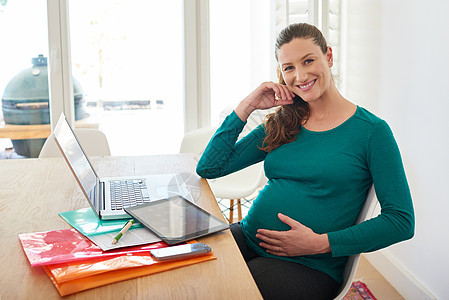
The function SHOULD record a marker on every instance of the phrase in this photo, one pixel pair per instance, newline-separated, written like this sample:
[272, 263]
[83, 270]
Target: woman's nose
[300, 75]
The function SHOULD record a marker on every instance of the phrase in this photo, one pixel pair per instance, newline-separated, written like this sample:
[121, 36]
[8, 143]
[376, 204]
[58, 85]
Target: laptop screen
[76, 158]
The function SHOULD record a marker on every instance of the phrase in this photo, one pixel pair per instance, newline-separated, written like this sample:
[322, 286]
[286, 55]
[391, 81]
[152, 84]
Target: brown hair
[284, 124]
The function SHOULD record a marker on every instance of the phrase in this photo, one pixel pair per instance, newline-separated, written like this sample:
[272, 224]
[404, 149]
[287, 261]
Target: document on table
[133, 237]
[102, 232]
[69, 245]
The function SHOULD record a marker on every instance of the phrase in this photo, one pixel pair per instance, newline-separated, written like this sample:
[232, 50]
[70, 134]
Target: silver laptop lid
[80, 165]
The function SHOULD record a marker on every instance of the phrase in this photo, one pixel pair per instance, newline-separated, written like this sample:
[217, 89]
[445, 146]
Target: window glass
[241, 45]
[23, 77]
[128, 58]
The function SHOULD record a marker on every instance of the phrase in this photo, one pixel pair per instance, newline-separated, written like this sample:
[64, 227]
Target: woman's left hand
[299, 240]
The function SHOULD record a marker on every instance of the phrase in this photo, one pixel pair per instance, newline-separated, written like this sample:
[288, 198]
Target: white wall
[398, 67]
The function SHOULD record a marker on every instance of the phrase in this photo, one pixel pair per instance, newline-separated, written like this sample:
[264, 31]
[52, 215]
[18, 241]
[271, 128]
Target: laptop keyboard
[126, 193]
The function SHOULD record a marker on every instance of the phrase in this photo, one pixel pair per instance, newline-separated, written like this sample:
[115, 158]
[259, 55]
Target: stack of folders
[83, 257]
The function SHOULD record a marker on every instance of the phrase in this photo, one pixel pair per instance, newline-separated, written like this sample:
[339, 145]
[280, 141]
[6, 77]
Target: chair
[93, 141]
[235, 186]
[353, 260]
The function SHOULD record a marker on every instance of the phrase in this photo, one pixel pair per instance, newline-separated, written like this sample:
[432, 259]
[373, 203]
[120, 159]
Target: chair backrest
[93, 141]
[240, 184]
[353, 260]
[237, 185]
[196, 140]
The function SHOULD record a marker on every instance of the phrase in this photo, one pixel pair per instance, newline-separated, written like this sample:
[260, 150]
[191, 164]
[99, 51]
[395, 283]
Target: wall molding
[401, 279]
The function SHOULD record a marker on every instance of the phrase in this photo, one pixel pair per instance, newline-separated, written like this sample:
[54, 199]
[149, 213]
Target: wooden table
[34, 191]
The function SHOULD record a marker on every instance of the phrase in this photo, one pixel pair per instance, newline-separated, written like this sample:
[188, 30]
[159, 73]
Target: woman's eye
[288, 68]
[308, 61]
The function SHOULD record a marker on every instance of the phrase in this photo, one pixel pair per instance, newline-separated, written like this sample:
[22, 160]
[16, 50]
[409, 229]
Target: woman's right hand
[265, 96]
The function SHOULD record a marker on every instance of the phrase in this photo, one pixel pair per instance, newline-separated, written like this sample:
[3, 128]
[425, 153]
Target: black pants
[281, 279]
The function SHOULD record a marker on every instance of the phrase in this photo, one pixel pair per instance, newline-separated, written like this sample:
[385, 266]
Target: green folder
[86, 221]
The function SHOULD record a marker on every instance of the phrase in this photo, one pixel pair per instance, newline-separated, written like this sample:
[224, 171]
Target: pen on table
[122, 232]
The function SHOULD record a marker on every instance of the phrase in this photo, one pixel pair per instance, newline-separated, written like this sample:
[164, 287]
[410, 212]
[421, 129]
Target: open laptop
[109, 196]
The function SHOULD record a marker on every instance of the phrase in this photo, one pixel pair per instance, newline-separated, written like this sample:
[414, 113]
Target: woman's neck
[329, 111]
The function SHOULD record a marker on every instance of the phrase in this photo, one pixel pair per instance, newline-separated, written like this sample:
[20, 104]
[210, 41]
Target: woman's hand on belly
[299, 240]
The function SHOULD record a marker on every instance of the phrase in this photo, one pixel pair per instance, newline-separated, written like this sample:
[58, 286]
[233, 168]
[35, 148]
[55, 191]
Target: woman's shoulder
[368, 117]
[377, 128]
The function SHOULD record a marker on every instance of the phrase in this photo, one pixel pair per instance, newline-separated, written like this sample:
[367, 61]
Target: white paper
[133, 237]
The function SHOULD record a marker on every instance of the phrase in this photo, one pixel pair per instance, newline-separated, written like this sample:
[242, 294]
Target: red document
[68, 245]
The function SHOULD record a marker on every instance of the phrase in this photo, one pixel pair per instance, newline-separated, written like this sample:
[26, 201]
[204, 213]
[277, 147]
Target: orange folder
[76, 285]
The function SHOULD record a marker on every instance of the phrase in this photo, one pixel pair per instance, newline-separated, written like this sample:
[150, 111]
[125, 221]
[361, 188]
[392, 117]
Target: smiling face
[305, 68]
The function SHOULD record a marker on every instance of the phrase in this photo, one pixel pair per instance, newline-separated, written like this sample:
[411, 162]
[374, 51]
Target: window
[128, 57]
[241, 53]
[23, 76]
[127, 62]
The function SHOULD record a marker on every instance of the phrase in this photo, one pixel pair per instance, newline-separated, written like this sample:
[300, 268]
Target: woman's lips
[307, 85]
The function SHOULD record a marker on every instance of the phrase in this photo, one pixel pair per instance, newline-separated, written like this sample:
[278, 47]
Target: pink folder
[67, 245]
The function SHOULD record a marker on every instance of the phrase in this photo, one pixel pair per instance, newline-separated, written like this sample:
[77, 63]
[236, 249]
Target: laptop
[109, 196]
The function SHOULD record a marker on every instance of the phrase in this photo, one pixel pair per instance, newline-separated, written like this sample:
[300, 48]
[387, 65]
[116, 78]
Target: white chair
[353, 260]
[235, 186]
[93, 141]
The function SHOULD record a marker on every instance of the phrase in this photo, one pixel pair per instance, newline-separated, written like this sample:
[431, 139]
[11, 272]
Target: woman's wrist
[243, 110]
[322, 244]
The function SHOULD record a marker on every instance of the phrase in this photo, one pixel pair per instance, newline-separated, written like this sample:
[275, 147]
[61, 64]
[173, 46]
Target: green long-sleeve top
[321, 179]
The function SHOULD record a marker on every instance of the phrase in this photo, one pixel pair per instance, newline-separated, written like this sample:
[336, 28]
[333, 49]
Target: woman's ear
[330, 57]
